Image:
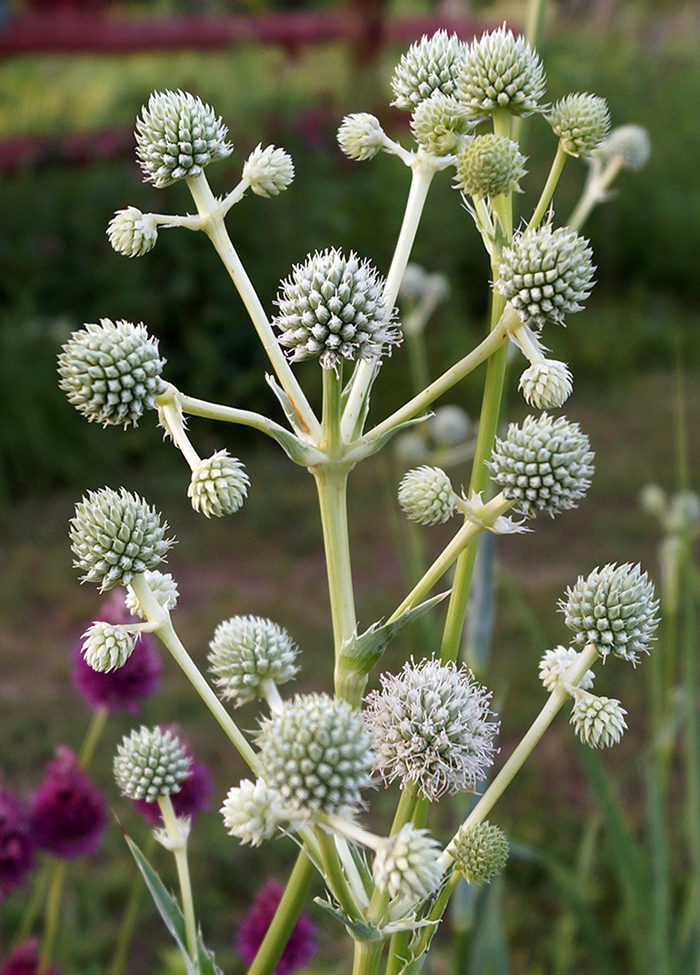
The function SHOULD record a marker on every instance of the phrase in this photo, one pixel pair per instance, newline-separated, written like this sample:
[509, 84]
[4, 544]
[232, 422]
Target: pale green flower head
[252, 812]
[406, 865]
[150, 764]
[489, 165]
[106, 647]
[598, 721]
[629, 143]
[247, 651]
[268, 171]
[439, 124]
[360, 136]
[450, 425]
[426, 496]
[432, 64]
[501, 71]
[132, 232]
[547, 384]
[163, 587]
[581, 121]
[554, 665]
[480, 852]
[219, 485]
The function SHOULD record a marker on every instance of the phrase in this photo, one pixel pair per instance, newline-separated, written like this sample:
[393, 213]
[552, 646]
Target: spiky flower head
[630, 143]
[115, 535]
[316, 753]
[111, 372]
[431, 64]
[614, 609]
[151, 763]
[598, 721]
[581, 121]
[430, 727]
[252, 812]
[332, 308]
[219, 485]
[480, 852]
[554, 665]
[132, 232]
[426, 496]
[501, 71]
[489, 165]
[360, 136]
[546, 274]
[248, 651]
[546, 384]
[177, 136]
[107, 647]
[449, 425]
[163, 587]
[439, 124]
[268, 171]
[406, 865]
[545, 464]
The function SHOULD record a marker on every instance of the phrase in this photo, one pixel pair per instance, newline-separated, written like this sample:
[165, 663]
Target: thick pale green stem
[52, 916]
[177, 837]
[594, 191]
[549, 187]
[367, 958]
[282, 924]
[92, 736]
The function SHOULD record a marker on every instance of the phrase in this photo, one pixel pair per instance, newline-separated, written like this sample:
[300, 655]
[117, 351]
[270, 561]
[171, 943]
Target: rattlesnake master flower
[68, 812]
[426, 496]
[581, 121]
[554, 664]
[546, 274]
[163, 587]
[269, 171]
[151, 763]
[192, 798]
[111, 372]
[132, 232]
[406, 865]
[316, 753]
[598, 721]
[489, 165]
[247, 651]
[107, 647]
[115, 535]
[177, 136]
[630, 143]
[301, 945]
[332, 308]
[614, 609]
[16, 842]
[430, 727]
[360, 136]
[252, 812]
[449, 425]
[431, 64]
[546, 384]
[480, 852]
[545, 464]
[439, 124]
[219, 485]
[501, 71]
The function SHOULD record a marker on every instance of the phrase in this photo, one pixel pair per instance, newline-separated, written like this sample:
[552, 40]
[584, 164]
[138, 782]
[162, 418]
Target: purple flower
[16, 842]
[68, 813]
[302, 941]
[24, 960]
[194, 795]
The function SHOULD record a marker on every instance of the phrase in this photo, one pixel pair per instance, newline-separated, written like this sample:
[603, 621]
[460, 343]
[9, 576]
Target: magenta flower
[302, 941]
[24, 960]
[68, 814]
[16, 842]
[194, 795]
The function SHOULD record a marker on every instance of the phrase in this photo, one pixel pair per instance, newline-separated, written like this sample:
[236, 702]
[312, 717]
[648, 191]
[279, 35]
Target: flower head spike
[163, 587]
[132, 232]
[247, 651]
[406, 865]
[16, 842]
[177, 136]
[111, 372]
[252, 812]
[115, 535]
[545, 464]
[489, 165]
[581, 121]
[614, 609]
[439, 124]
[426, 496]
[546, 384]
[431, 64]
[554, 665]
[480, 852]
[501, 71]
[301, 945]
[598, 721]
[430, 727]
[630, 143]
[268, 171]
[107, 647]
[219, 485]
[332, 308]
[68, 812]
[151, 763]
[360, 136]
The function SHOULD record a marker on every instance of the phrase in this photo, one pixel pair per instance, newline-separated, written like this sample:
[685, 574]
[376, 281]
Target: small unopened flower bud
[426, 496]
[653, 500]
[501, 71]
[268, 171]
[151, 763]
[554, 665]
[450, 425]
[546, 384]
[360, 136]
[598, 721]
[163, 587]
[480, 852]
[406, 865]
[219, 485]
[630, 143]
[581, 121]
[431, 64]
[247, 651]
[489, 165]
[107, 647]
[252, 812]
[132, 232]
[439, 124]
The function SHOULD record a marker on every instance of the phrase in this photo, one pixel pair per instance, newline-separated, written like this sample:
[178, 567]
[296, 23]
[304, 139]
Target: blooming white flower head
[111, 372]
[431, 728]
[177, 136]
[439, 124]
[614, 609]
[219, 485]
[406, 865]
[501, 71]
[163, 587]
[316, 753]
[546, 384]
[581, 121]
[449, 426]
[431, 64]
[554, 665]
[360, 136]
[115, 535]
[546, 274]
[252, 812]
[151, 763]
[480, 852]
[246, 652]
[268, 171]
[598, 721]
[489, 165]
[106, 647]
[630, 143]
[426, 496]
[332, 308]
[545, 464]
[132, 232]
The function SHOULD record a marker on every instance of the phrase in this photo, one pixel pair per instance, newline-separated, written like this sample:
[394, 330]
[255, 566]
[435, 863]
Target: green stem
[33, 909]
[549, 187]
[285, 918]
[228, 414]
[691, 685]
[52, 916]
[178, 845]
[92, 736]
[594, 192]
[367, 958]
[334, 873]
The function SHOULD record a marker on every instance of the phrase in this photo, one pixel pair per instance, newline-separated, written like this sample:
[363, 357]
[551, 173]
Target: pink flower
[24, 960]
[16, 842]
[68, 814]
[302, 941]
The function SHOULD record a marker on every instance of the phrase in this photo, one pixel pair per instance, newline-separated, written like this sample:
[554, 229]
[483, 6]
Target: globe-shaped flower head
[406, 865]
[247, 651]
[581, 121]
[439, 124]
[489, 165]
[480, 852]
[219, 485]
[501, 71]
[598, 721]
[546, 384]
[268, 171]
[628, 143]
[426, 496]
[431, 64]
[151, 763]
[360, 136]
[132, 232]
[332, 308]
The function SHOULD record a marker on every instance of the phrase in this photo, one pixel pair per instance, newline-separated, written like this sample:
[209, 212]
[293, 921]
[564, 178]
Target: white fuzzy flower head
[630, 143]
[360, 136]
[546, 384]
[480, 852]
[431, 64]
[115, 535]
[252, 812]
[449, 426]
[431, 728]
[554, 665]
[581, 121]
[614, 609]
[151, 763]
[177, 136]
[332, 308]
[219, 485]
[106, 647]
[598, 721]
[501, 71]
[546, 274]
[268, 171]
[406, 865]
[426, 496]
[439, 124]
[489, 165]
[111, 372]
[132, 232]
[163, 587]
[247, 651]
[545, 464]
